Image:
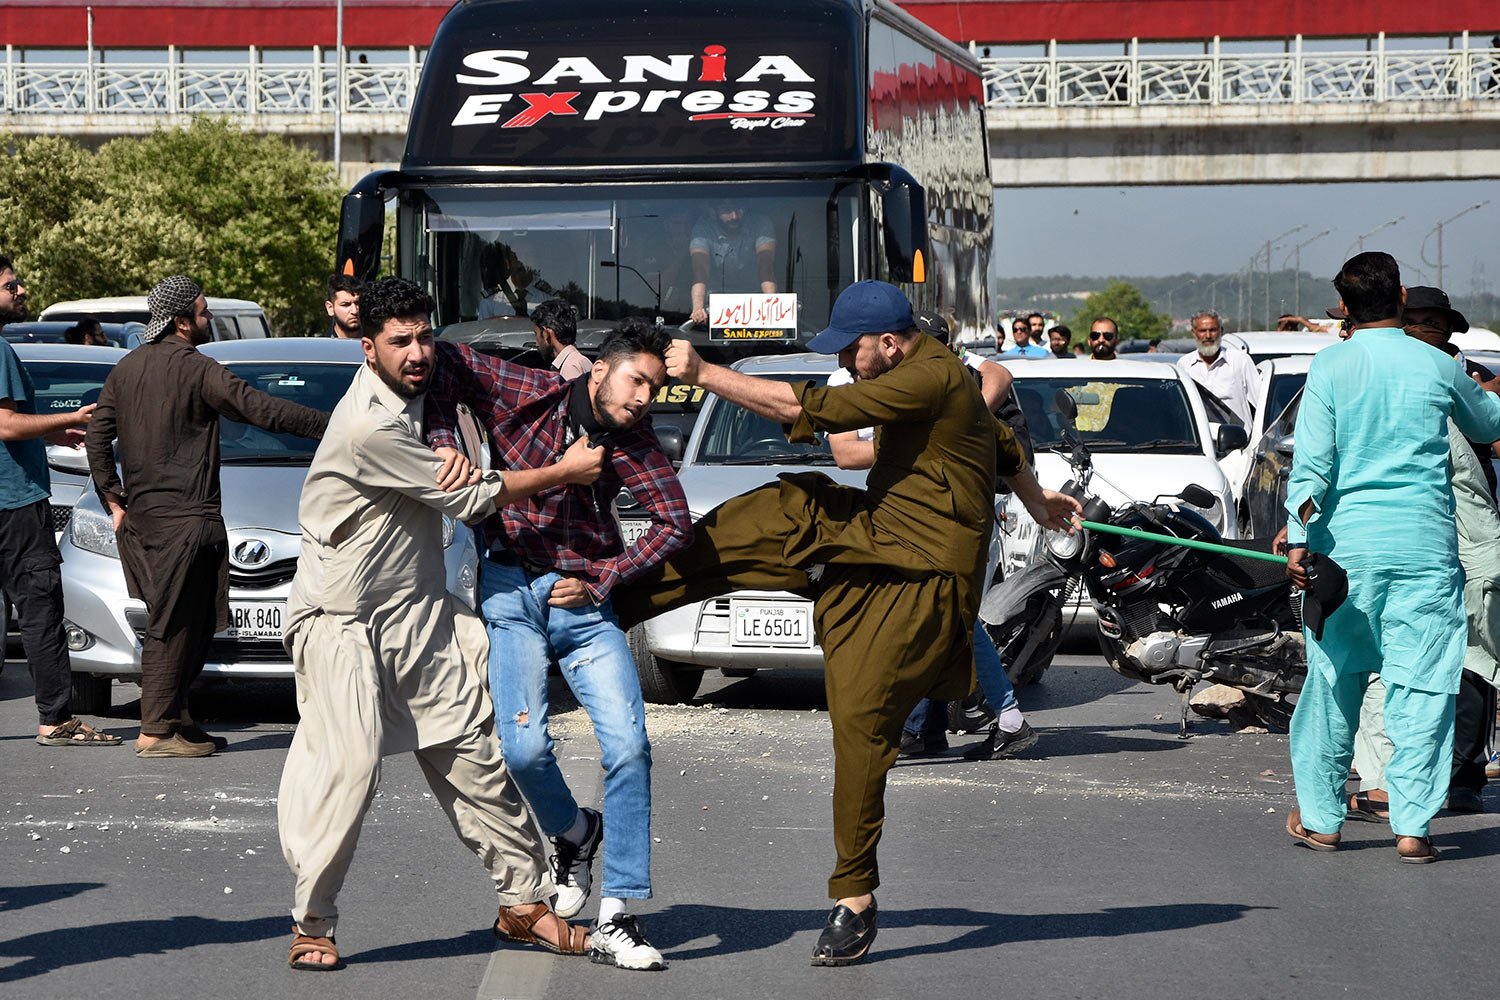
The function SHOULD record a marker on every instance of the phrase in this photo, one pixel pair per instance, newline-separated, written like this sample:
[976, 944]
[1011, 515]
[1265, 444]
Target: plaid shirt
[569, 528]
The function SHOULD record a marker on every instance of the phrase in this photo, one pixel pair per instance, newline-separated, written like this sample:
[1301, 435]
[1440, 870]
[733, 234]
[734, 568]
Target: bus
[726, 167]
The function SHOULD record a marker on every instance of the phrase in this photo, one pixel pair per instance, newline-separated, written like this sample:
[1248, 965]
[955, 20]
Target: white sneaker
[620, 943]
[571, 865]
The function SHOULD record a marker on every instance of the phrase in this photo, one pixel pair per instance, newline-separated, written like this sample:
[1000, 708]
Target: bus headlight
[93, 532]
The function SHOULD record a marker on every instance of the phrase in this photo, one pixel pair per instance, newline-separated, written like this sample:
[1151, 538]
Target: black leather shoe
[847, 936]
[1465, 800]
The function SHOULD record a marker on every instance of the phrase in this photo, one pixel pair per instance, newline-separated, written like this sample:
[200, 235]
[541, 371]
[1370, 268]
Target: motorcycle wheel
[1043, 615]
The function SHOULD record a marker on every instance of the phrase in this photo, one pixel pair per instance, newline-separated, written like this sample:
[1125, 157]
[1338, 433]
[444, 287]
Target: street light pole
[1364, 236]
[1297, 252]
[1267, 290]
[338, 97]
[1438, 229]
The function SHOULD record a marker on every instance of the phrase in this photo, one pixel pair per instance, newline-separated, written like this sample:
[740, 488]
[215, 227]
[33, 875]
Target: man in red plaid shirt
[552, 561]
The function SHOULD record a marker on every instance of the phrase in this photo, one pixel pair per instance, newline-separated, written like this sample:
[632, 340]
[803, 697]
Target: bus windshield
[490, 254]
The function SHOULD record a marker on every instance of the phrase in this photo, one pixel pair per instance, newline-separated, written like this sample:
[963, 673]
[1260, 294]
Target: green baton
[1189, 543]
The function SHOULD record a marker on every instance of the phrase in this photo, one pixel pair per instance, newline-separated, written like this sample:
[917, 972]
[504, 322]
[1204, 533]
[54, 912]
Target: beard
[349, 329]
[14, 314]
[1210, 350]
[404, 390]
[604, 399]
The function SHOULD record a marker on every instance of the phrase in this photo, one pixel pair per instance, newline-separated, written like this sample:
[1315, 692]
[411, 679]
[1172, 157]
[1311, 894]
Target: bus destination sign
[752, 317]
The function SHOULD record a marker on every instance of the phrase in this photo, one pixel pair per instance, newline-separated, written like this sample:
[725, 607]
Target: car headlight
[93, 532]
[448, 531]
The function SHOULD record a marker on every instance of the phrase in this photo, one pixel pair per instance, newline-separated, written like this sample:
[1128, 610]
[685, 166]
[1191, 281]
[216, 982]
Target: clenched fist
[683, 362]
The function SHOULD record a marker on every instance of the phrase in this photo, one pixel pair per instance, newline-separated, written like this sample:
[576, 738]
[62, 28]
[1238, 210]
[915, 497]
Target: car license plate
[255, 620]
[632, 529]
[771, 623]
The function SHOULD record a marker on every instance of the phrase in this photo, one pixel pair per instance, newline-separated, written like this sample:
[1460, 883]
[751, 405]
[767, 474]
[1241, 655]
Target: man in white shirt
[1229, 375]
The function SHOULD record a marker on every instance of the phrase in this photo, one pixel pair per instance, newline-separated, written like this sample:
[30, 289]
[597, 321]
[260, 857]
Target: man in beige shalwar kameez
[387, 661]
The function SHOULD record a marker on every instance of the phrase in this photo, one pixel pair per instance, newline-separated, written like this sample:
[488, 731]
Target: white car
[1149, 433]
[234, 319]
[732, 451]
[1264, 344]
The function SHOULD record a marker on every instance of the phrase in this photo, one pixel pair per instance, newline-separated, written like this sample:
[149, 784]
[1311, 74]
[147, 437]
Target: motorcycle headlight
[1063, 545]
[448, 531]
[93, 532]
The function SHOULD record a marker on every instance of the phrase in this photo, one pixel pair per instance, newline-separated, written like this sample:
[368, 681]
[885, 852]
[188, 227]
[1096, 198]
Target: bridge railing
[251, 87]
[1376, 75]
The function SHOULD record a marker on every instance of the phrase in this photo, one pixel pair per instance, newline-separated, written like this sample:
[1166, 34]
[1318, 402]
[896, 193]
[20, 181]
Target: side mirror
[1199, 496]
[1286, 446]
[903, 222]
[673, 445]
[362, 227]
[1066, 405]
[1231, 437]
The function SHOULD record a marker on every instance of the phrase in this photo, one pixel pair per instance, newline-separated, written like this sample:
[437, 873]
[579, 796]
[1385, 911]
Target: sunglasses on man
[1103, 335]
[13, 286]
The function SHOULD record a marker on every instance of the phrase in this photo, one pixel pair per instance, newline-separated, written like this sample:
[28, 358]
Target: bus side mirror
[362, 227]
[903, 218]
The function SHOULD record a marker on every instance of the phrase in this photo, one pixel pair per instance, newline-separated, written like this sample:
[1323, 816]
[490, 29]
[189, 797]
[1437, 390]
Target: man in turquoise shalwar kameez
[1370, 489]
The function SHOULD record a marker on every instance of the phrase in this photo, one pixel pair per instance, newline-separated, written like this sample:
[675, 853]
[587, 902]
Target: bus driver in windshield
[732, 251]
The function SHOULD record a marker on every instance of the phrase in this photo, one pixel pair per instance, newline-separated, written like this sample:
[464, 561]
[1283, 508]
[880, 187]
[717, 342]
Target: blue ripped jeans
[525, 635]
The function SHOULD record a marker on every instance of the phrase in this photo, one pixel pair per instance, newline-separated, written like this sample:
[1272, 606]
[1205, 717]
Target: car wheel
[91, 693]
[663, 682]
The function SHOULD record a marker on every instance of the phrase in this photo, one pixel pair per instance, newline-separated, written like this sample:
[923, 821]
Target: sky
[1151, 231]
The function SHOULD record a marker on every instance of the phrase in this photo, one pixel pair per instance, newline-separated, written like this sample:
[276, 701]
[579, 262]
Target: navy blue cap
[864, 307]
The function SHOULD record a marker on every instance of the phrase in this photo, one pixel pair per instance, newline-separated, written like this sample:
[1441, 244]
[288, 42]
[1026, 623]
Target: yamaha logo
[251, 552]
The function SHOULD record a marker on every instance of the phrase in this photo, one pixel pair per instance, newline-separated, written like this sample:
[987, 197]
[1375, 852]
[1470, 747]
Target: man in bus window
[732, 250]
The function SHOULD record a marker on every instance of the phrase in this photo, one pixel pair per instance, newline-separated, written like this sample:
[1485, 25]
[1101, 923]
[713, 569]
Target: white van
[234, 319]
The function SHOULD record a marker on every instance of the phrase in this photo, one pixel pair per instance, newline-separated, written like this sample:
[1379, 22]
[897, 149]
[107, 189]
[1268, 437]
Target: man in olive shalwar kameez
[162, 403]
[895, 570]
[387, 661]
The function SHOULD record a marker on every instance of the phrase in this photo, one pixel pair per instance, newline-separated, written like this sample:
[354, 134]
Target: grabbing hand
[67, 437]
[82, 414]
[568, 592]
[699, 316]
[683, 362]
[581, 463]
[455, 470]
[1054, 510]
[1295, 571]
[1493, 385]
[1278, 544]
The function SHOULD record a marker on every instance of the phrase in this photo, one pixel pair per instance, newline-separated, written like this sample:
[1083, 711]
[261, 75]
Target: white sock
[1011, 720]
[580, 828]
[609, 908]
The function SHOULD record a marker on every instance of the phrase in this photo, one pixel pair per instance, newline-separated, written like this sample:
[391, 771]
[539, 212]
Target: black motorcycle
[1167, 614]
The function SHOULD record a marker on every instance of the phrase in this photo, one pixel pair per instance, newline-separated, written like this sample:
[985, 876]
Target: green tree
[1123, 303]
[246, 216]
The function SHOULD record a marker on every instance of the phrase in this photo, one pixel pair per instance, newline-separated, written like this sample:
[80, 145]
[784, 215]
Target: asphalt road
[1114, 860]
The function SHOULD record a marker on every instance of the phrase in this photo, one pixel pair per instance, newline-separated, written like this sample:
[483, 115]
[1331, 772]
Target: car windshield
[1283, 388]
[491, 254]
[319, 385]
[1114, 415]
[735, 436]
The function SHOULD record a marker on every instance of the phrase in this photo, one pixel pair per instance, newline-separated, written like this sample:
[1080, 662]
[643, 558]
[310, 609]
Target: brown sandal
[303, 944]
[1425, 854]
[1306, 837]
[1366, 809]
[520, 928]
[77, 733]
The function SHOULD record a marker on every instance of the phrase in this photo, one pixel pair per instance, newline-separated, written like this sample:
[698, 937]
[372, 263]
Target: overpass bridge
[1418, 103]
